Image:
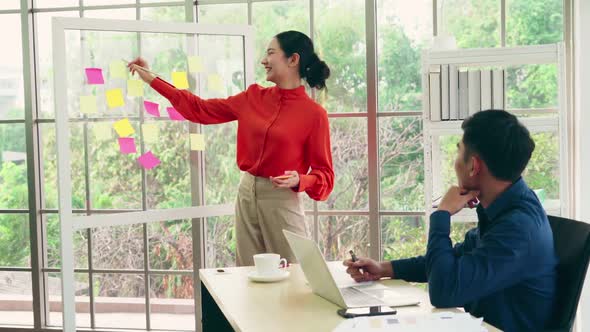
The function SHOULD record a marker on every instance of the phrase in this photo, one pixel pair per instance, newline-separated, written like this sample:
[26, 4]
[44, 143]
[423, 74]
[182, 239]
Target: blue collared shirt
[504, 271]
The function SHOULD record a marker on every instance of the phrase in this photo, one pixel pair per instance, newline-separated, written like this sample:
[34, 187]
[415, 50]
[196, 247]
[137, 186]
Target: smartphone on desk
[368, 311]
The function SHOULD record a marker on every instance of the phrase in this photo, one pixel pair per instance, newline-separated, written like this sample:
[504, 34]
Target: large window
[141, 276]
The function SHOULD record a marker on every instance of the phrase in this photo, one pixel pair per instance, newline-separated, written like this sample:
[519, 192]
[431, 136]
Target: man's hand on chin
[456, 199]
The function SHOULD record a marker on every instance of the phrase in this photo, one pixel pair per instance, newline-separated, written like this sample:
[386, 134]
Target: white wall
[582, 106]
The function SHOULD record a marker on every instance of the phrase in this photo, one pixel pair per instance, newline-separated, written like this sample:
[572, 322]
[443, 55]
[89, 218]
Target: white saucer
[254, 276]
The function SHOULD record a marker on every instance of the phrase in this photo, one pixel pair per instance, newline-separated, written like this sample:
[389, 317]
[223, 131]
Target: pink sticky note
[127, 145]
[148, 160]
[151, 108]
[94, 76]
[174, 115]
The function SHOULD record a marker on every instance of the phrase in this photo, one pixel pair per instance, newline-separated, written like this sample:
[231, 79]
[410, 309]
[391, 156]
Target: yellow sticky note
[197, 142]
[179, 79]
[115, 98]
[134, 88]
[195, 64]
[150, 132]
[123, 128]
[88, 104]
[102, 131]
[215, 83]
[117, 69]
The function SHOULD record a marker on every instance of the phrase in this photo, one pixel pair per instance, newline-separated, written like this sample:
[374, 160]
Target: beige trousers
[262, 212]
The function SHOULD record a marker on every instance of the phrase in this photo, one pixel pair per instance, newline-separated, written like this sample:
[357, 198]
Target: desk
[229, 301]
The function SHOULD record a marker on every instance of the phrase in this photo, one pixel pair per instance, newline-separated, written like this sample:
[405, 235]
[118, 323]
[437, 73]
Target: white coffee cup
[268, 264]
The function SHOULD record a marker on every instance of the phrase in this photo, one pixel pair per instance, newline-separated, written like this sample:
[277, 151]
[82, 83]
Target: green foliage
[533, 86]
[534, 22]
[400, 89]
[341, 44]
[14, 228]
[474, 23]
[542, 171]
[403, 237]
[14, 240]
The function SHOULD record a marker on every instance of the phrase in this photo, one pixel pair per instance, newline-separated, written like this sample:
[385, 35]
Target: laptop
[322, 281]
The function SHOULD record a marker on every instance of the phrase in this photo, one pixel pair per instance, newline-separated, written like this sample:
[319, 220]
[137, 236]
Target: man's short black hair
[500, 140]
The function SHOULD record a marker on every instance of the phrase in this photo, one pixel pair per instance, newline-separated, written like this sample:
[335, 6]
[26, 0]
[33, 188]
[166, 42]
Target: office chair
[572, 245]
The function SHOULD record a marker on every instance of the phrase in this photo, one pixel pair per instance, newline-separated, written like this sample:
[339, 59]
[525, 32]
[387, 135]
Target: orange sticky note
[179, 79]
[123, 128]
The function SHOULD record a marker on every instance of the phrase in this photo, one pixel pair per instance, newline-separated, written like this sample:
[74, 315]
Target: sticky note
[117, 69]
[197, 142]
[123, 128]
[214, 83]
[134, 88]
[150, 132]
[102, 131]
[173, 114]
[127, 145]
[115, 98]
[375, 323]
[148, 160]
[94, 76]
[195, 64]
[152, 108]
[179, 79]
[88, 104]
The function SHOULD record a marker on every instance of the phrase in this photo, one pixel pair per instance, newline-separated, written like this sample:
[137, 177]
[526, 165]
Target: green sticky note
[115, 98]
[134, 88]
[117, 69]
[180, 80]
[195, 64]
[150, 132]
[88, 105]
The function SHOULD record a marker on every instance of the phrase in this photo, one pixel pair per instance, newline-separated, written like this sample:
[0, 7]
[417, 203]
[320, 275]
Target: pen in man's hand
[353, 257]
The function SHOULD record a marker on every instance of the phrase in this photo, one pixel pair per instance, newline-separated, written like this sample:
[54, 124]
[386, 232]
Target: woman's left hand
[290, 182]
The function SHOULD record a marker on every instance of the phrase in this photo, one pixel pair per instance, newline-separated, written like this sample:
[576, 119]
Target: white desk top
[288, 305]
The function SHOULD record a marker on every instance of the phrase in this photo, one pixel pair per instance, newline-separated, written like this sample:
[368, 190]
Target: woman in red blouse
[283, 142]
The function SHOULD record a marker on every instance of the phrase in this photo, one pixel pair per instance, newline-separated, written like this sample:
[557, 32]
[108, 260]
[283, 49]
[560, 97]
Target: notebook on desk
[347, 296]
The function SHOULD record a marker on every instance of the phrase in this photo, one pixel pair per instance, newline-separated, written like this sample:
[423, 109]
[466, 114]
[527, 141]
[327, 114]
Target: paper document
[435, 322]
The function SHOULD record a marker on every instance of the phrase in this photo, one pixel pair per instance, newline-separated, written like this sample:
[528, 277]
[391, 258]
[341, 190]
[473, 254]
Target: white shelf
[506, 56]
[550, 120]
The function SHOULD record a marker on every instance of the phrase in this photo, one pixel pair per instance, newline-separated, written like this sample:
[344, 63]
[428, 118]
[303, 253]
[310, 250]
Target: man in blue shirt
[505, 269]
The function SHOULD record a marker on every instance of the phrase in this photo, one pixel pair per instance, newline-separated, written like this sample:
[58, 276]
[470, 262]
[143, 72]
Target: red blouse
[278, 130]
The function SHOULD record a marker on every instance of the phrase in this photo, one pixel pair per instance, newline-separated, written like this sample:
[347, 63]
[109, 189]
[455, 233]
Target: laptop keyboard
[354, 297]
